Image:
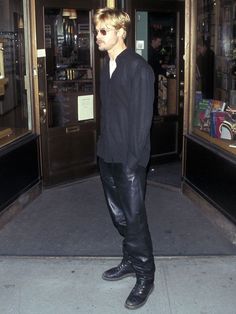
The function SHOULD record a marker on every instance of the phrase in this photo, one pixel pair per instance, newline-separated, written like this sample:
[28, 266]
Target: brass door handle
[43, 115]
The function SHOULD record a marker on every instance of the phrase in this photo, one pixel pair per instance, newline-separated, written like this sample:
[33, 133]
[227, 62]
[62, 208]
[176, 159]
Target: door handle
[43, 115]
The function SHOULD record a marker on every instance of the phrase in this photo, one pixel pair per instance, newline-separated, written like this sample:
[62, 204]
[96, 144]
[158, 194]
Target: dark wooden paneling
[213, 174]
[19, 169]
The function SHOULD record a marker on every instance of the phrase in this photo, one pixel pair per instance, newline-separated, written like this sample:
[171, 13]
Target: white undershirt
[112, 66]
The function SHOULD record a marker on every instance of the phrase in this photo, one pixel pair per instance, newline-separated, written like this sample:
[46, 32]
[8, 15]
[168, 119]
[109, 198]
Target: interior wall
[141, 32]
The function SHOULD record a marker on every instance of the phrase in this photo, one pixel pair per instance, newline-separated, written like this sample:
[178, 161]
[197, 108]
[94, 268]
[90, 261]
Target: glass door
[69, 62]
[66, 67]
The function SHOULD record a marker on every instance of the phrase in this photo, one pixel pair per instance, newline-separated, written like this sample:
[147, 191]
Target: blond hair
[114, 17]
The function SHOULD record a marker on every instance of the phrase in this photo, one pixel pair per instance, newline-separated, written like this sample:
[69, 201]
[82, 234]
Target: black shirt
[155, 61]
[126, 112]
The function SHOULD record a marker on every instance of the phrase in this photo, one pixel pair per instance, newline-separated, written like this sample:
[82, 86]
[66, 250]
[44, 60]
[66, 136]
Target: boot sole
[134, 307]
[119, 278]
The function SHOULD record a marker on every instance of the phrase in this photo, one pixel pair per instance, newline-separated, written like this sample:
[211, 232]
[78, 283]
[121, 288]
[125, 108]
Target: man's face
[156, 43]
[107, 37]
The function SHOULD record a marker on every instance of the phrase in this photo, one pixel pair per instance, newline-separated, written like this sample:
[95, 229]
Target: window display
[15, 120]
[214, 112]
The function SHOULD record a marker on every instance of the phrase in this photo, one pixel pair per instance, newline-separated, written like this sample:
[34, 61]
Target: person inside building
[155, 59]
[123, 148]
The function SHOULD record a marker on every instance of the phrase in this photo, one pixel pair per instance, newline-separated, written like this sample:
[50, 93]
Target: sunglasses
[102, 31]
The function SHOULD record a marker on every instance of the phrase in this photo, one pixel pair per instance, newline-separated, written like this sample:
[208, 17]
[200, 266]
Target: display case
[19, 145]
[210, 102]
[15, 77]
[214, 106]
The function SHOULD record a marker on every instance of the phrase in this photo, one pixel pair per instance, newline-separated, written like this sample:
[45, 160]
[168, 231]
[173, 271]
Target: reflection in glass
[69, 66]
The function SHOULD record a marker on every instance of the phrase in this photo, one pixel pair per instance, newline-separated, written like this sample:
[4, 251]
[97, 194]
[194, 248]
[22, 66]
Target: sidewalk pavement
[70, 285]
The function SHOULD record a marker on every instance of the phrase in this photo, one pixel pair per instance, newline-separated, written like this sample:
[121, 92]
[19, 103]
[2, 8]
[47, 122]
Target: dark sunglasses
[102, 31]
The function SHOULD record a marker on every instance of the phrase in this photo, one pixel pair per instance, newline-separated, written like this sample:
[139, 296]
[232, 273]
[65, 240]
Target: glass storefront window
[15, 109]
[214, 112]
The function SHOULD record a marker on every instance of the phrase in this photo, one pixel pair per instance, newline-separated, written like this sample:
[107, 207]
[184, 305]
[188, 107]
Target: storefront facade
[49, 99]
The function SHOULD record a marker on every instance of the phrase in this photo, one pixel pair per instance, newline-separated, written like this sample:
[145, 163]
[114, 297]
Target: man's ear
[121, 33]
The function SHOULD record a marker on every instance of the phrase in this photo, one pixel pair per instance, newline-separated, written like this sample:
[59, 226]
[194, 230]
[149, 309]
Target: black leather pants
[125, 192]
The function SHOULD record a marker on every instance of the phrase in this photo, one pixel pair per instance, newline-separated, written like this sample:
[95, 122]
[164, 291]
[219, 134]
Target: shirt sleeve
[140, 113]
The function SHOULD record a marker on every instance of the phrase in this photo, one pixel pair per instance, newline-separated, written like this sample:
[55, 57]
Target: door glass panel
[68, 63]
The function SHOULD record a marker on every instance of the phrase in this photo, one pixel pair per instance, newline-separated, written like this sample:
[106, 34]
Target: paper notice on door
[85, 107]
[41, 53]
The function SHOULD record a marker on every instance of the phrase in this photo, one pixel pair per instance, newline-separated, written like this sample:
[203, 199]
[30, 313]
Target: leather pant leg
[112, 196]
[125, 193]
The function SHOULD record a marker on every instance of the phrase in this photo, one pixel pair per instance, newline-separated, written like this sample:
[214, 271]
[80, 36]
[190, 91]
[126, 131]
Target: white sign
[85, 107]
[140, 44]
[41, 53]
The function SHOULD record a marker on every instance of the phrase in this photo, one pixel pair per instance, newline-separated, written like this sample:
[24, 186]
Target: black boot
[124, 269]
[139, 294]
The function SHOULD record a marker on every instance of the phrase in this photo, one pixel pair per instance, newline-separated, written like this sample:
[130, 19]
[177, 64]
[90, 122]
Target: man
[127, 92]
[154, 54]
[156, 62]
